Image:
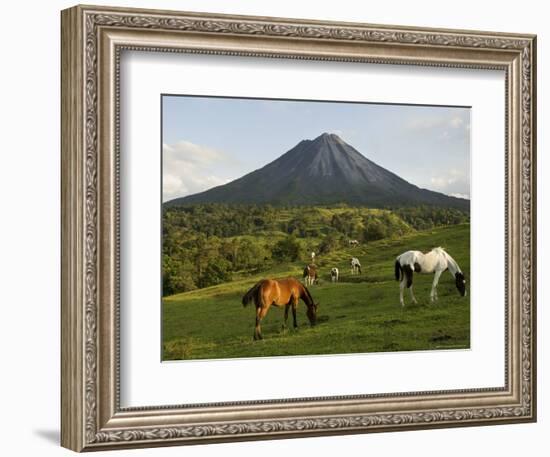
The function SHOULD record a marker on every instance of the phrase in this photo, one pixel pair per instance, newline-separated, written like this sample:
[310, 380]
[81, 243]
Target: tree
[176, 276]
[375, 229]
[330, 243]
[216, 272]
[287, 249]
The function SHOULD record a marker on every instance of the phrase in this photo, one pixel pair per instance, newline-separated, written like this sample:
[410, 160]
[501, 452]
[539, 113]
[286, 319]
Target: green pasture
[358, 314]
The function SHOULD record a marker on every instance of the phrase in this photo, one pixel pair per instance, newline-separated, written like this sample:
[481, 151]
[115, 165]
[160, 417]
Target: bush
[330, 243]
[176, 277]
[375, 229]
[216, 273]
[287, 249]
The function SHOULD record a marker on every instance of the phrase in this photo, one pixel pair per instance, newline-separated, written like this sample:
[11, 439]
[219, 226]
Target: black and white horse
[334, 274]
[355, 266]
[353, 242]
[434, 262]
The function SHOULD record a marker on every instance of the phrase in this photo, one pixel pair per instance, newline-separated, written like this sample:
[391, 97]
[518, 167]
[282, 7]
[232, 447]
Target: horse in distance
[434, 262]
[310, 274]
[334, 273]
[279, 292]
[355, 266]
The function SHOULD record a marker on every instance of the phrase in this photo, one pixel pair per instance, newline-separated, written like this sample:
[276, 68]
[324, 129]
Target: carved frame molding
[92, 40]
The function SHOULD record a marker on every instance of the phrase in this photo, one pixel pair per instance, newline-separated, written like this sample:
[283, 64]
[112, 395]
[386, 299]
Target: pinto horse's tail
[251, 294]
[398, 271]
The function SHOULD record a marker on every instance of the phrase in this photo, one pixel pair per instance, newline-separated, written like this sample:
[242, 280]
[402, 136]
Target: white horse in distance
[334, 274]
[434, 262]
[355, 266]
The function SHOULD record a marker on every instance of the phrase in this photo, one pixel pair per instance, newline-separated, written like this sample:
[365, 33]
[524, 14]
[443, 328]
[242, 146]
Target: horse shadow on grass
[322, 319]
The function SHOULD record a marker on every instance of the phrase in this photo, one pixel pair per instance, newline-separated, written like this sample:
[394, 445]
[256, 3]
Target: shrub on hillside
[287, 249]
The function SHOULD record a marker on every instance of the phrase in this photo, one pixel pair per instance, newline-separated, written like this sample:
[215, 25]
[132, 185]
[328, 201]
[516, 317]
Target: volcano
[323, 171]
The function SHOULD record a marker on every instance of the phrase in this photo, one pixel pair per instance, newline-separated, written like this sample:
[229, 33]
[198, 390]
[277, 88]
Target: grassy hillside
[358, 314]
[206, 245]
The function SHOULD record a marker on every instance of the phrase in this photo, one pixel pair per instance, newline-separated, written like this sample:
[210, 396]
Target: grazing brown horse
[310, 275]
[279, 292]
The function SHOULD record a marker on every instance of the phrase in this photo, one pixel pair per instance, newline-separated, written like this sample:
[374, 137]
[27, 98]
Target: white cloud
[443, 123]
[456, 122]
[459, 195]
[440, 182]
[423, 123]
[191, 152]
[454, 183]
[188, 168]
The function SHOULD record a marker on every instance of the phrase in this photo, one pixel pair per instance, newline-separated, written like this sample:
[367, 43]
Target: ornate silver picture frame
[93, 40]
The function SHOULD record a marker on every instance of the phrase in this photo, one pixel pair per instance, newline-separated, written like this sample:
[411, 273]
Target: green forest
[209, 244]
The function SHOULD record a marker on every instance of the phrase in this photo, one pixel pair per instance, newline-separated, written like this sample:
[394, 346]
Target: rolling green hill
[358, 314]
[206, 245]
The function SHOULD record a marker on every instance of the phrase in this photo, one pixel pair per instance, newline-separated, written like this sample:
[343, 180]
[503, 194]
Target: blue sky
[210, 141]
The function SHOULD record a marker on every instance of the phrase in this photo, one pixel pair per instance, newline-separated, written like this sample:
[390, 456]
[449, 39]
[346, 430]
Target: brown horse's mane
[306, 296]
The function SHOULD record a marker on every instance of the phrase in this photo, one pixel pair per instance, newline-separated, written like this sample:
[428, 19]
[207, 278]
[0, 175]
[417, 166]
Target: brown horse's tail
[251, 294]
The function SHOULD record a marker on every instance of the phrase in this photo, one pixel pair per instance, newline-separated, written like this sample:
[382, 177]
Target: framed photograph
[275, 228]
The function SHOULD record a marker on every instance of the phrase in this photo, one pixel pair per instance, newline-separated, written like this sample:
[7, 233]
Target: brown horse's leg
[260, 314]
[294, 305]
[287, 307]
[257, 329]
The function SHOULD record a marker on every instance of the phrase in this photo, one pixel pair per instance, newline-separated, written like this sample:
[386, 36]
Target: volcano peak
[329, 137]
[325, 170]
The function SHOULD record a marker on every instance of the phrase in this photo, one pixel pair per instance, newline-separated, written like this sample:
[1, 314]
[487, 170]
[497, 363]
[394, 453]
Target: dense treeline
[427, 217]
[205, 245]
